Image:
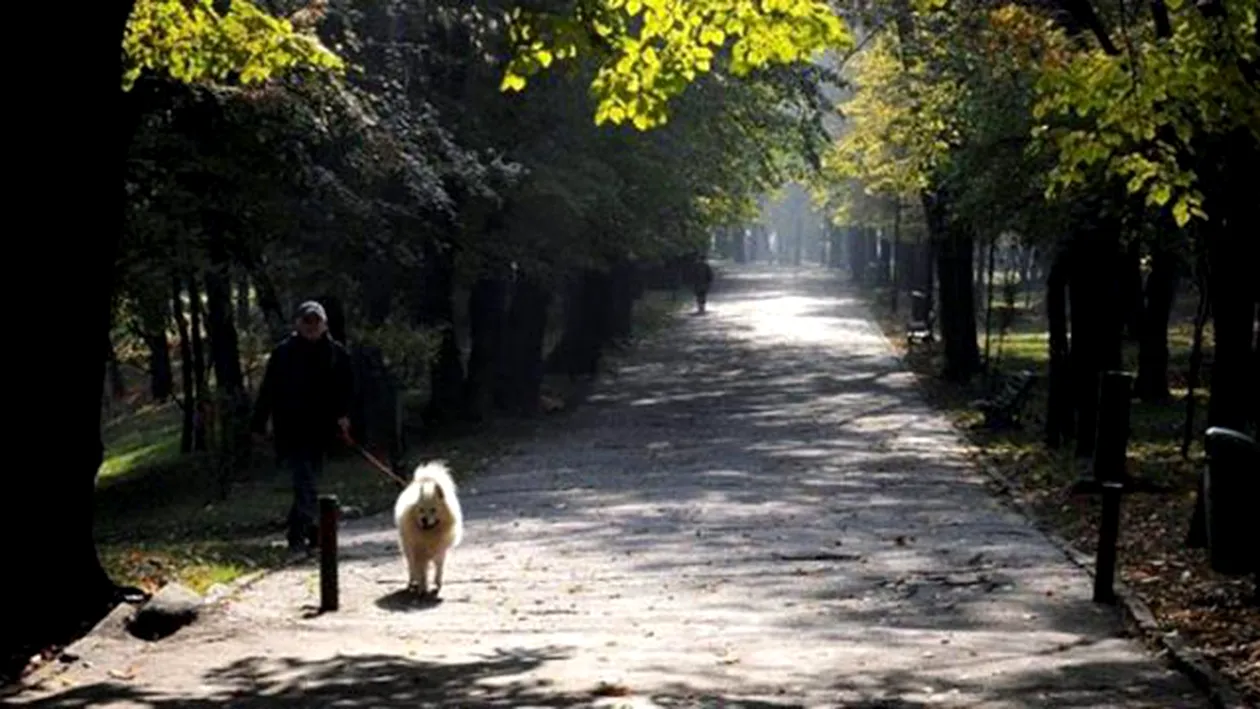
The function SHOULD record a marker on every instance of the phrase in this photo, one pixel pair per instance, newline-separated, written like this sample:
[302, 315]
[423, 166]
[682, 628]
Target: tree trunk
[244, 325]
[1161, 290]
[1097, 321]
[225, 354]
[867, 252]
[1196, 535]
[988, 304]
[954, 249]
[857, 255]
[376, 412]
[242, 302]
[1196, 359]
[884, 277]
[336, 311]
[378, 291]
[835, 251]
[739, 250]
[117, 384]
[161, 377]
[578, 351]
[1025, 269]
[761, 243]
[437, 309]
[720, 241]
[186, 366]
[624, 288]
[231, 408]
[1255, 381]
[154, 320]
[520, 368]
[977, 261]
[1060, 414]
[1131, 300]
[487, 302]
[1232, 262]
[63, 588]
[898, 279]
[200, 401]
[958, 310]
[1231, 252]
[274, 313]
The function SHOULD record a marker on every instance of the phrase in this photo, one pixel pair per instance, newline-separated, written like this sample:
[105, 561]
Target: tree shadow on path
[500, 680]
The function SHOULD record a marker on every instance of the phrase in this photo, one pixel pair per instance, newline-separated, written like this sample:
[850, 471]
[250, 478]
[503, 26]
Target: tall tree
[67, 584]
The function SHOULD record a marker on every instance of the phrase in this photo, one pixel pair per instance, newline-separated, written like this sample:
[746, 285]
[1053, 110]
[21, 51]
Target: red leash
[376, 463]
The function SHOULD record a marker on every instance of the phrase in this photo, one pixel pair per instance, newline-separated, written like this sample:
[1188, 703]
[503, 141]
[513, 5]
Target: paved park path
[757, 511]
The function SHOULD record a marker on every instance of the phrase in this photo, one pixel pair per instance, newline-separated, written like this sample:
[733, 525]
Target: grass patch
[1208, 610]
[144, 439]
[199, 565]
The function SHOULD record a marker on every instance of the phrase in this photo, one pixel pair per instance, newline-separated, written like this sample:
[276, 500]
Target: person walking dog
[305, 392]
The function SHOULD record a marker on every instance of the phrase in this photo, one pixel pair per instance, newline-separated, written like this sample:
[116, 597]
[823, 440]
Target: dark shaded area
[63, 585]
[1160, 294]
[501, 679]
[519, 371]
[434, 306]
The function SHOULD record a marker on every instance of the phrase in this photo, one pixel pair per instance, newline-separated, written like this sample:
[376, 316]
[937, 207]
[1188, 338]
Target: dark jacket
[702, 276]
[306, 388]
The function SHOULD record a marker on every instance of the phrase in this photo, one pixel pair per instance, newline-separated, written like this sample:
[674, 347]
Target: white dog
[429, 523]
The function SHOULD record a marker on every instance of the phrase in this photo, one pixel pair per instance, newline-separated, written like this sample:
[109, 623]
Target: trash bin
[1231, 487]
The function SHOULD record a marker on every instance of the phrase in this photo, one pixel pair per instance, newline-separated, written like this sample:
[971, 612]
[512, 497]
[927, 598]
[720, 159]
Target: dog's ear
[441, 494]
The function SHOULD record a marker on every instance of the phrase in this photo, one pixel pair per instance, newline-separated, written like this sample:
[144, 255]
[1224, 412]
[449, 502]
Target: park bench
[922, 319]
[1001, 410]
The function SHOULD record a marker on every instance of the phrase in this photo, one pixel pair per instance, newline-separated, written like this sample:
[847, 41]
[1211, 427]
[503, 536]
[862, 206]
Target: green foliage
[649, 51]
[1137, 116]
[407, 350]
[191, 43]
[1001, 103]
[901, 122]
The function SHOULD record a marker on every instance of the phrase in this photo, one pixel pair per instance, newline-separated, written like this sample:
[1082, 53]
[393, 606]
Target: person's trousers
[304, 513]
[701, 298]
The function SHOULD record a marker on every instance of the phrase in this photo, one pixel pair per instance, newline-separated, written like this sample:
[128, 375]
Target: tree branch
[1159, 12]
[1083, 12]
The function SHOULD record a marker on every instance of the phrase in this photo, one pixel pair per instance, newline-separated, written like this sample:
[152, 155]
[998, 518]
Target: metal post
[328, 514]
[1109, 470]
[1108, 535]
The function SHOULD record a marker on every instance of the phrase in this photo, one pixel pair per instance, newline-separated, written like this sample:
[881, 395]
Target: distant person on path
[702, 278]
[306, 393]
